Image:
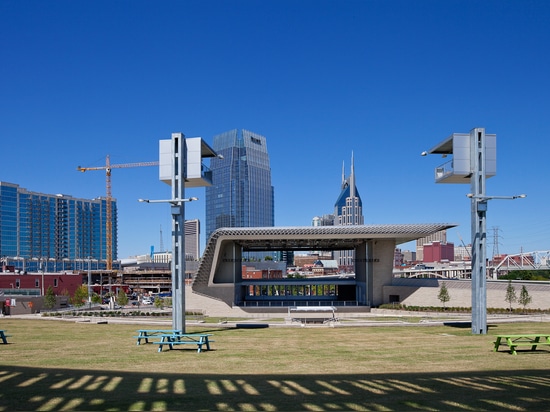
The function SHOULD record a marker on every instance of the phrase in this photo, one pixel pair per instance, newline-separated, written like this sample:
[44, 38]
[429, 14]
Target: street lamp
[42, 270]
[485, 198]
[89, 282]
[180, 166]
[474, 161]
[173, 202]
[178, 258]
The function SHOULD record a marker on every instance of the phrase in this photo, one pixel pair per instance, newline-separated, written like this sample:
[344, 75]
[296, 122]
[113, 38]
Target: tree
[96, 298]
[121, 298]
[443, 295]
[80, 296]
[524, 297]
[49, 298]
[510, 294]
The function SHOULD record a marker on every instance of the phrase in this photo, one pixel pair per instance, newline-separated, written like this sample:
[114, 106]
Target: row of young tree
[80, 297]
[511, 296]
[524, 298]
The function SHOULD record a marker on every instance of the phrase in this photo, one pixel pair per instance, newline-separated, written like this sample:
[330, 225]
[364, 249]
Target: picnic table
[4, 336]
[171, 339]
[513, 341]
[146, 334]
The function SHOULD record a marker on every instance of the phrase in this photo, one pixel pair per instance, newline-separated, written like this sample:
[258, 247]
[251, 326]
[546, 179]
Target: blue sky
[320, 79]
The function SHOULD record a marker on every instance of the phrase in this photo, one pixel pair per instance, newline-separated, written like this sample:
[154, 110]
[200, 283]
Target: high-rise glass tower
[52, 232]
[241, 194]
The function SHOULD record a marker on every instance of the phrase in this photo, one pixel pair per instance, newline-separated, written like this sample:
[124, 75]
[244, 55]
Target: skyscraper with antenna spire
[348, 210]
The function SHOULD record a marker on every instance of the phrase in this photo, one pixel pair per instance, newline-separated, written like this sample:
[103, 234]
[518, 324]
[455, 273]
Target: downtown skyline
[319, 79]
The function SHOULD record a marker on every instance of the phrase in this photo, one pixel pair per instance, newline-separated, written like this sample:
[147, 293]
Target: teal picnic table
[147, 334]
[198, 339]
[513, 341]
[4, 337]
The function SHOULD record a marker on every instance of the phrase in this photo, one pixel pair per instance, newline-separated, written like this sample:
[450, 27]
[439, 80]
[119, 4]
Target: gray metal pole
[89, 282]
[179, 151]
[42, 270]
[479, 235]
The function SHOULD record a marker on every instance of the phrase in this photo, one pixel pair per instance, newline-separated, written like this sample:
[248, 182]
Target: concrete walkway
[378, 317]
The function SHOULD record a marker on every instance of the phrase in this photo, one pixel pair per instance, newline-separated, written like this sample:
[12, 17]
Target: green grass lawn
[59, 365]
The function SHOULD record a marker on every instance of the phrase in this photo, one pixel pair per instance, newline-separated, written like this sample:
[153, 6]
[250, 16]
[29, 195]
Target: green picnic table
[513, 341]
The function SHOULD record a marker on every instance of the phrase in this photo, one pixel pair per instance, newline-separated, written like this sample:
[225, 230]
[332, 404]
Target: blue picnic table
[199, 339]
[146, 334]
[4, 336]
[171, 337]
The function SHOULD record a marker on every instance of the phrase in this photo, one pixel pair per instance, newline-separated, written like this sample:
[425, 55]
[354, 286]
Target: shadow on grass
[461, 325]
[465, 325]
[23, 388]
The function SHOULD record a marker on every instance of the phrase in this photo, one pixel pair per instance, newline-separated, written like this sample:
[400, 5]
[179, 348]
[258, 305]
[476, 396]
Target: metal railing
[444, 170]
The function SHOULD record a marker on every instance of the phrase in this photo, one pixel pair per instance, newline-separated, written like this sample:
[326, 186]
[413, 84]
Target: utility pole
[161, 246]
[495, 242]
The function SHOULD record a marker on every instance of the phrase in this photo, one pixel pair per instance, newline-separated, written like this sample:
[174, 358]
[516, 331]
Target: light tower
[180, 166]
[474, 160]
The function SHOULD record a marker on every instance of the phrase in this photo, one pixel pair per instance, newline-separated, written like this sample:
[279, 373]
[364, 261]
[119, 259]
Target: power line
[495, 241]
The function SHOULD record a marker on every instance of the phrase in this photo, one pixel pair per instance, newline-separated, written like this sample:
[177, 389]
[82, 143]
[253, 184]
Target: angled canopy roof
[220, 261]
[323, 237]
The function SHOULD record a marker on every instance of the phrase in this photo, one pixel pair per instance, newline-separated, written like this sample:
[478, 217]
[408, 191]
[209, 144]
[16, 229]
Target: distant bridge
[430, 274]
[462, 270]
[536, 260]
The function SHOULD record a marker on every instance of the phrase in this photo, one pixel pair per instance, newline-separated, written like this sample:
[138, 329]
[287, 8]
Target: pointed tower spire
[343, 174]
[352, 178]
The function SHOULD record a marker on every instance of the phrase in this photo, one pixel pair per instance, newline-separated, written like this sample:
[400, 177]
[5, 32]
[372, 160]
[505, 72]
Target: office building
[436, 237]
[192, 234]
[408, 256]
[348, 211]
[48, 232]
[463, 253]
[241, 194]
[325, 220]
[438, 252]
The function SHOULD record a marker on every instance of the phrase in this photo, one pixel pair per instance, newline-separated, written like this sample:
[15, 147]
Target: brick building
[438, 251]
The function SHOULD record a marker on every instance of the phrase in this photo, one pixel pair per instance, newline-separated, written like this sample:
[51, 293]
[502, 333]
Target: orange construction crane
[109, 224]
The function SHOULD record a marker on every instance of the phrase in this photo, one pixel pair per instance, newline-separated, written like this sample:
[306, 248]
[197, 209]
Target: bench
[171, 339]
[513, 341]
[146, 334]
[4, 336]
[321, 314]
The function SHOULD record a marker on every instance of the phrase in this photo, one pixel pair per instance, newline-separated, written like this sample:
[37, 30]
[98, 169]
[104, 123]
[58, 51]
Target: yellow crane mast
[109, 224]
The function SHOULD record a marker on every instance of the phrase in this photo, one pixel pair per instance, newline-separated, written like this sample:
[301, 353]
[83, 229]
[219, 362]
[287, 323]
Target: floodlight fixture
[484, 198]
[171, 201]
